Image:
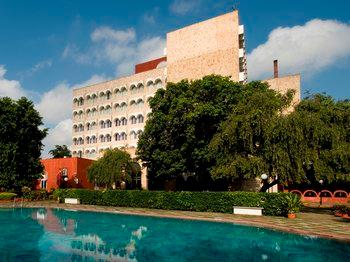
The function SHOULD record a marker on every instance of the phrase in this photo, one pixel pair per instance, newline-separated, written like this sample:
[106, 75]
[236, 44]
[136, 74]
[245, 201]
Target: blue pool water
[62, 235]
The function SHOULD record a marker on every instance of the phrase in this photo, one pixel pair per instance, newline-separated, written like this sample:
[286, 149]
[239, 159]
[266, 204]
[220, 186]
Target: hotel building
[112, 114]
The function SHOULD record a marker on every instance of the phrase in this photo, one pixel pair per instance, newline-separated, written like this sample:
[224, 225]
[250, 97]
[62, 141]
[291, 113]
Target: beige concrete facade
[285, 83]
[208, 47]
[112, 114]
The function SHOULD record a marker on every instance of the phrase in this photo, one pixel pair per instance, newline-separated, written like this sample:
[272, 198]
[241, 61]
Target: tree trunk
[267, 185]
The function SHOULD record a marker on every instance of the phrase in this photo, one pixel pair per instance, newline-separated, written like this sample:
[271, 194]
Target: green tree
[240, 145]
[114, 167]
[304, 146]
[184, 118]
[20, 143]
[312, 143]
[60, 151]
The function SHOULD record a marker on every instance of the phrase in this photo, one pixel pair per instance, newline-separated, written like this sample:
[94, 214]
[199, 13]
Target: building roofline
[271, 78]
[203, 21]
[114, 79]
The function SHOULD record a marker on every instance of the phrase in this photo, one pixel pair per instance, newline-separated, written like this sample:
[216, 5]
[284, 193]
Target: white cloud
[10, 88]
[61, 134]
[108, 34]
[55, 105]
[308, 49]
[39, 66]
[120, 48]
[183, 7]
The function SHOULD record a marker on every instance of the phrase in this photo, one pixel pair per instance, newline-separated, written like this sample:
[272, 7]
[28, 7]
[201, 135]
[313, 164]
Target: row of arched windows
[121, 136]
[88, 152]
[78, 128]
[120, 91]
[105, 124]
[122, 121]
[137, 119]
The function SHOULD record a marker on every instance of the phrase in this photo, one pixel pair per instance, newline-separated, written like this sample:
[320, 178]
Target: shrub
[274, 204]
[36, 194]
[340, 209]
[7, 196]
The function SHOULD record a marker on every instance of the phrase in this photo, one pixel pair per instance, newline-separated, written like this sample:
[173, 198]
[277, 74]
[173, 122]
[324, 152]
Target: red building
[65, 173]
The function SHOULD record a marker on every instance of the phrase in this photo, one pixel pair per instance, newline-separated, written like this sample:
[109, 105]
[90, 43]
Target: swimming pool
[63, 235]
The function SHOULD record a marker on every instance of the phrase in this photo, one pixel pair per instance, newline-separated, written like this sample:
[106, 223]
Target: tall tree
[312, 143]
[60, 151]
[114, 167]
[20, 143]
[183, 120]
[240, 145]
[305, 146]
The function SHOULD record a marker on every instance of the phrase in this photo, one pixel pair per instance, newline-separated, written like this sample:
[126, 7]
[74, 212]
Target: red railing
[323, 196]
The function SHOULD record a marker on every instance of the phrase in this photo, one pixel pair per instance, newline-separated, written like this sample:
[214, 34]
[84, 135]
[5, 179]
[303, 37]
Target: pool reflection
[65, 234]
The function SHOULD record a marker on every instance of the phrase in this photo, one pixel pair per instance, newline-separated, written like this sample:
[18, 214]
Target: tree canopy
[183, 120]
[20, 143]
[60, 151]
[114, 167]
[305, 146]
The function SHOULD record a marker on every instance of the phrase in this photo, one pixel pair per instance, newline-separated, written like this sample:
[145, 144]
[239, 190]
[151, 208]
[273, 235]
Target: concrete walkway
[322, 224]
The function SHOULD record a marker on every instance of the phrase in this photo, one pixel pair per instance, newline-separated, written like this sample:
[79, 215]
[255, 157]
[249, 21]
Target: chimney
[275, 68]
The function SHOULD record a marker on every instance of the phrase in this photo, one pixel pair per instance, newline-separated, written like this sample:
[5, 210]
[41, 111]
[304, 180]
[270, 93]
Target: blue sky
[49, 47]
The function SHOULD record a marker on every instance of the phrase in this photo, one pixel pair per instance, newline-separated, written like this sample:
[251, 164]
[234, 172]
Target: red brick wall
[76, 167]
[149, 65]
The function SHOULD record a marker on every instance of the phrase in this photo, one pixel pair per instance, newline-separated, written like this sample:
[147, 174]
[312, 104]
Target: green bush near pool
[7, 196]
[274, 204]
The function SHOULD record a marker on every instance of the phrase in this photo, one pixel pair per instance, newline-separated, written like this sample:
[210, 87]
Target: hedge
[7, 196]
[274, 204]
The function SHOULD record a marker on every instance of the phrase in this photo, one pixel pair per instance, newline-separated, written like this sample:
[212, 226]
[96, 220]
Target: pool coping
[244, 220]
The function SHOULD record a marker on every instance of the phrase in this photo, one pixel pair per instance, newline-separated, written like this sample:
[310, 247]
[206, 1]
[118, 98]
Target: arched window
[108, 109]
[158, 83]
[150, 83]
[108, 95]
[81, 127]
[133, 120]
[102, 124]
[123, 136]
[124, 121]
[102, 139]
[75, 101]
[108, 138]
[132, 88]
[139, 101]
[133, 135]
[75, 141]
[117, 122]
[109, 123]
[117, 137]
[123, 106]
[140, 118]
[80, 101]
[87, 139]
[75, 128]
[140, 86]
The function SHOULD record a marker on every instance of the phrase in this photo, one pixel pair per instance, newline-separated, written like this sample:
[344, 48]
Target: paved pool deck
[315, 222]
